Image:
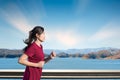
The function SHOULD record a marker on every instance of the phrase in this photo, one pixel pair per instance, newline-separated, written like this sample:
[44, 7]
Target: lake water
[66, 63]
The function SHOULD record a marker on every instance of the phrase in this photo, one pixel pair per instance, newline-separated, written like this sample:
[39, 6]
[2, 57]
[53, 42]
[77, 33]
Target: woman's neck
[38, 42]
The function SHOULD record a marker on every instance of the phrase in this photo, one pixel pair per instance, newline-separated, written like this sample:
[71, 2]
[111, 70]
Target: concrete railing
[65, 74]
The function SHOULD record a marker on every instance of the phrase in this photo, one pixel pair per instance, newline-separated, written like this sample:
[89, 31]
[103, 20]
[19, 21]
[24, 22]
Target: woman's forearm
[23, 60]
[27, 63]
[32, 64]
[47, 59]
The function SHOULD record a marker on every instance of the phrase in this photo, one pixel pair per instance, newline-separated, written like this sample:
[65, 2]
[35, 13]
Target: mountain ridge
[88, 53]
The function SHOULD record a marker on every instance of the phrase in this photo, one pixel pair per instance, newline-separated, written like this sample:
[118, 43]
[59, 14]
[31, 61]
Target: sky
[69, 24]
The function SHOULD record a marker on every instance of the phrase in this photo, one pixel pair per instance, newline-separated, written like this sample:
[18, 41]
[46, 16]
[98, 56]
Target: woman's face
[41, 37]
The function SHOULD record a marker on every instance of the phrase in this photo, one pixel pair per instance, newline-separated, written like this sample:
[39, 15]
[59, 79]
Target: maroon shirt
[35, 54]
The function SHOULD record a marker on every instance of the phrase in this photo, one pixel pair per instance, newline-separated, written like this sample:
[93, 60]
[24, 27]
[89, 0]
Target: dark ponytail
[32, 35]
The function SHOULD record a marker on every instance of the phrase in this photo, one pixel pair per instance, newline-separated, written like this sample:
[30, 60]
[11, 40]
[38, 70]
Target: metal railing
[64, 74]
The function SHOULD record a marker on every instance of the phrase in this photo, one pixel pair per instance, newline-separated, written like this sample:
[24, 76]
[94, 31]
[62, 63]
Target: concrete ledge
[65, 74]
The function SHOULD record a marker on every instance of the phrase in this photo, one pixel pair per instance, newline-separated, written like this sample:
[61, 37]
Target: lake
[66, 63]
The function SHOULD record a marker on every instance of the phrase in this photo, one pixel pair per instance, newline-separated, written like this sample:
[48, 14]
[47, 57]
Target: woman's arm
[24, 60]
[52, 55]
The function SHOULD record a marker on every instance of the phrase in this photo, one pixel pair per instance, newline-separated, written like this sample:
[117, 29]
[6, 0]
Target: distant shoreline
[98, 53]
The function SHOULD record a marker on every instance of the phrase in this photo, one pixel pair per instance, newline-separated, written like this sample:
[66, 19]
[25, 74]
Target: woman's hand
[52, 55]
[40, 64]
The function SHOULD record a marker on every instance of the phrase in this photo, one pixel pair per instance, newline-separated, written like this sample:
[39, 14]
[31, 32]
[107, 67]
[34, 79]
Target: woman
[33, 56]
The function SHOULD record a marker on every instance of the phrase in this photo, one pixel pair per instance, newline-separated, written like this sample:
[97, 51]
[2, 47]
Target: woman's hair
[32, 35]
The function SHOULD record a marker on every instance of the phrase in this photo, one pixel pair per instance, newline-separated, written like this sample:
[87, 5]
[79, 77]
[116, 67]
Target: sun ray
[14, 16]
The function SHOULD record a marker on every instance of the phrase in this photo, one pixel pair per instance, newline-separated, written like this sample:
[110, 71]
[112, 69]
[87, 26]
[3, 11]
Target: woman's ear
[37, 35]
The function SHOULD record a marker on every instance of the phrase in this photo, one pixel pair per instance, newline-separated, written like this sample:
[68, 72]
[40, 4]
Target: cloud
[65, 36]
[13, 15]
[68, 38]
[109, 31]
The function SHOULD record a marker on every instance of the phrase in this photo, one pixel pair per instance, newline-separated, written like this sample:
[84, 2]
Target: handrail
[64, 74]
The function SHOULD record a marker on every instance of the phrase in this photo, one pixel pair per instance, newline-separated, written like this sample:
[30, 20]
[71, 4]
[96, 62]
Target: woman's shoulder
[32, 45]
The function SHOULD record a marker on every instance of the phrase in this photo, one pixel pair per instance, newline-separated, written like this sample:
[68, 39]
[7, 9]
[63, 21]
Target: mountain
[81, 51]
[89, 52]
[10, 53]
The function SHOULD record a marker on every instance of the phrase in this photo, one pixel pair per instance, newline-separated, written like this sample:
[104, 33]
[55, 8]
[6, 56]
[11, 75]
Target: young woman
[33, 56]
